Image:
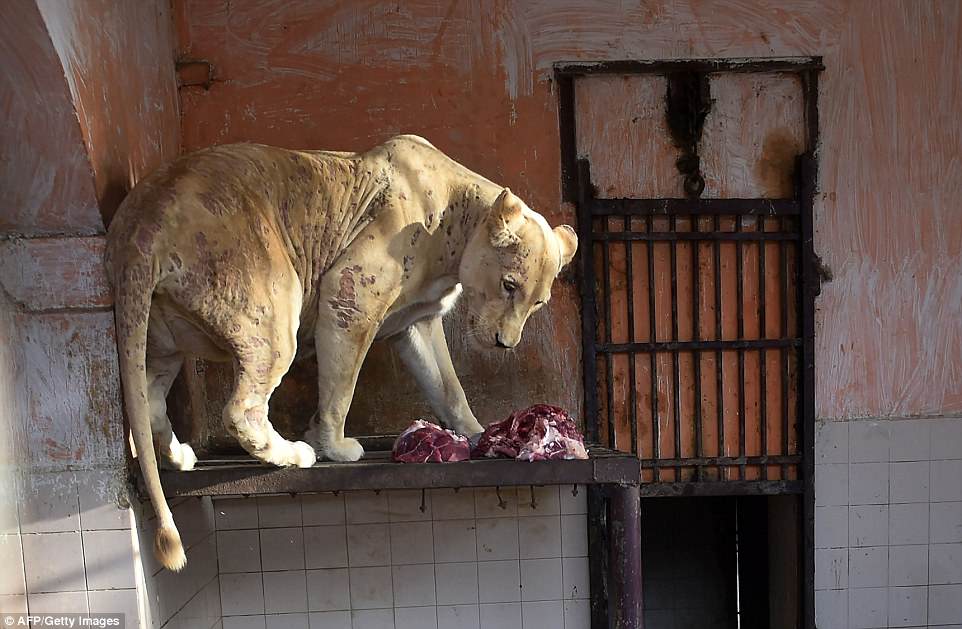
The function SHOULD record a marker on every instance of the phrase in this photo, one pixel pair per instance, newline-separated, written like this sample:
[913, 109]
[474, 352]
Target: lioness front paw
[346, 449]
[304, 455]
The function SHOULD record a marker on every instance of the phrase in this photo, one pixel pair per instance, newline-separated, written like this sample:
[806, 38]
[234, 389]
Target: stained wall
[77, 129]
[475, 78]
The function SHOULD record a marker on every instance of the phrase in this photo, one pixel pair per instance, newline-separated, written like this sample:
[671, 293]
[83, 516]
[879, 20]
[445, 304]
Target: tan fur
[252, 254]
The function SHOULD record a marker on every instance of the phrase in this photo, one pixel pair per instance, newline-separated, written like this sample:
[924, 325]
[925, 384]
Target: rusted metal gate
[697, 306]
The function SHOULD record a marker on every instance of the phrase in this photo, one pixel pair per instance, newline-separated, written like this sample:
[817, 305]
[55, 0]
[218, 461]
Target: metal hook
[501, 502]
[423, 507]
[534, 503]
[574, 491]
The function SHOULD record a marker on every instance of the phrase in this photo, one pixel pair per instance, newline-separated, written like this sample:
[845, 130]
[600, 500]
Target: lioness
[251, 254]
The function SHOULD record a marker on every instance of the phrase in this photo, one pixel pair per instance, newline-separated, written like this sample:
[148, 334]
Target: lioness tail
[132, 295]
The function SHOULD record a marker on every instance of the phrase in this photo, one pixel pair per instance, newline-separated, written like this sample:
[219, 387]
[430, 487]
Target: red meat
[424, 442]
[537, 433]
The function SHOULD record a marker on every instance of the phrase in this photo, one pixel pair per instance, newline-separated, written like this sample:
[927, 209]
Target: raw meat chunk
[424, 442]
[537, 433]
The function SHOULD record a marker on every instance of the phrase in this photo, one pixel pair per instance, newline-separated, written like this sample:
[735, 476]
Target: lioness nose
[499, 342]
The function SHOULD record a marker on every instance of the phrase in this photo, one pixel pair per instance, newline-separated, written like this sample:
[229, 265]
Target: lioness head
[508, 267]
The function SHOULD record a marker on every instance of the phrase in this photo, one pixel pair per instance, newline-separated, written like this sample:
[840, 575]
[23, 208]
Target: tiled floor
[461, 560]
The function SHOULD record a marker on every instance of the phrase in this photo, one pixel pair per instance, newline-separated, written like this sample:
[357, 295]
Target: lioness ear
[567, 241]
[507, 217]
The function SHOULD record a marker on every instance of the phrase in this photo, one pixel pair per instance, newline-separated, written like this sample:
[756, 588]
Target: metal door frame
[576, 188]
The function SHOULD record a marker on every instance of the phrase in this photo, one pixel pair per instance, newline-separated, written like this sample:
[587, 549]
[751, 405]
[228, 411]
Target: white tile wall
[888, 524]
[486, 558]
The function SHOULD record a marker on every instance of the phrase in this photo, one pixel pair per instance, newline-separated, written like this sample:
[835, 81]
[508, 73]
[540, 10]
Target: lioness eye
[508, 286]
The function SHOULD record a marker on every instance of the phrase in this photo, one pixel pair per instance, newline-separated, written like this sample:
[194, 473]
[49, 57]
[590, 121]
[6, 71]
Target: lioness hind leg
[161, 373]
[262, 357]
[245, 416]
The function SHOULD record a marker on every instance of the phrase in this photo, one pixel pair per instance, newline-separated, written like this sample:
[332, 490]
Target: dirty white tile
[539, 537]
[945, 604]
[577, 614]
[946, 435]
[405, 505]
[831, 527]
[945, 522]
[371, 588]
[109, 559]
[368, 545]
[279, 511]
[414, 585]
[285, 592]
[501, 616]
[831, 609]
[415, 618]
[325, 546]
[458, 617]
[245, 622]
[115, 602]
[541, 580]
[909, 440]
[868, 441]
[372, 619]
[322, 509]
[367, 507]
[945, 562]
[195, 520]
[412, 542]
[868, 483]
[54, 562]
[330, 620]
[909, 523]
[282, 549]
[545, 501]
[831, 568]
[574, 500]
[9, 501]
[574, 576]
[457, 583]
[869, 525]
[574, 536]
[13, 603]
[11, 558]
[831, 484]
[907, 606]
[235, 513]
[868, 607]
[328, 590]
[455, 540]
[909, 481]
[450, 504]
[908, 565]
[238, 551]
[868, 567]
[497, 539]
[542, 615]
[487, 503]
[50, 503]
[946, 480]
[241, 594]
[499, 581]
[100, 493]
[831, 442]
[287, 621]
[58, 603]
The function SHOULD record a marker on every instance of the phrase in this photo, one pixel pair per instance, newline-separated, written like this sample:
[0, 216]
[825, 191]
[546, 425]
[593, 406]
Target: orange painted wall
[475, 78]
